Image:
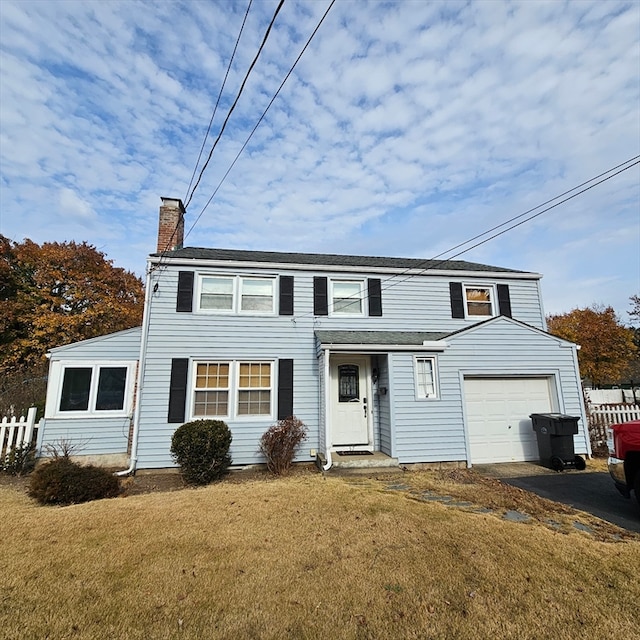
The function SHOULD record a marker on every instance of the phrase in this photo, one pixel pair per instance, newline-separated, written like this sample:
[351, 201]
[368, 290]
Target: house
[420, 361]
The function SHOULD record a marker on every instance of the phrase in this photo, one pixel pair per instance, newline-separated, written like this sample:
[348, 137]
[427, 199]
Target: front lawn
[305, 557]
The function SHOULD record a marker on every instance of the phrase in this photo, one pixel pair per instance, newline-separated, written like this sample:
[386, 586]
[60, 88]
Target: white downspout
[327, 408]
[141, 366]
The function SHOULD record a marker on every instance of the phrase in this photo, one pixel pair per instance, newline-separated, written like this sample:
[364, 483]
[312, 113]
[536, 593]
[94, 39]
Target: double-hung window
[479, 301]
[232, 389]
[211, 395]
[426, 382]
[103, 389]
[237, 294]
[347, 297]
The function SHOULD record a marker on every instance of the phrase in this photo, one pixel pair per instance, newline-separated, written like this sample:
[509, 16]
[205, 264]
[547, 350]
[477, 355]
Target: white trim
[412, 271]
[435, 345]
[54, 388]
[236, 294]
[360, 298]
[434, 374]
[492, 300]
[233, 389]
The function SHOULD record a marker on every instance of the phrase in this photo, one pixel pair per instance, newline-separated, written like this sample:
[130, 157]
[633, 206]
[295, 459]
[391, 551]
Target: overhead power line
[264, 113]
[410, 273]
[235, 102]
[215, 108]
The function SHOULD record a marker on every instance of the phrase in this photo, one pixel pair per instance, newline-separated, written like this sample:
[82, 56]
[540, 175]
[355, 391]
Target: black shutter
[285, 388]
[375, 296]
[286, 295]
[457, 300]
[178, 389]
[320, 302]
[184, 301]
[504, 300]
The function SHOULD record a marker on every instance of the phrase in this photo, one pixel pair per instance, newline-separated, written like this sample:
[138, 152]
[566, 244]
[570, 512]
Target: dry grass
[303, 557]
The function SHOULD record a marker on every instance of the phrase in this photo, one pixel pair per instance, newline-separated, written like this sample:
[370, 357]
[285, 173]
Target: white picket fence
[15, 432]
[602, 416]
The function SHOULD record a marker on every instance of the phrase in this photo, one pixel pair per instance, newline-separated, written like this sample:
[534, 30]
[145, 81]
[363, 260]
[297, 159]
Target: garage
[497, 414]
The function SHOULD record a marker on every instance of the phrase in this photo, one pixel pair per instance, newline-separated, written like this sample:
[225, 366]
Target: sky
[405, 129]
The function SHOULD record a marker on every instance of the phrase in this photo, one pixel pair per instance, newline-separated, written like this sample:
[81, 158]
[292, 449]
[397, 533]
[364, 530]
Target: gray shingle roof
[379, 337]
[327, 259]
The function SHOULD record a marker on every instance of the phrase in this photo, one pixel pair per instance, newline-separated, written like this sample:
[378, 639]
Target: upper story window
[347, 297]
[479, 301]
[236, 294]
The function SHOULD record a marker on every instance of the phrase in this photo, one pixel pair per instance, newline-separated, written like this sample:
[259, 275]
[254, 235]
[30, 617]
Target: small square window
[479, 301]
[346, 298]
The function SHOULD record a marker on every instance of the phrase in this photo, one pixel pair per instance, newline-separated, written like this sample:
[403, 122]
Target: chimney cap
[174, 203]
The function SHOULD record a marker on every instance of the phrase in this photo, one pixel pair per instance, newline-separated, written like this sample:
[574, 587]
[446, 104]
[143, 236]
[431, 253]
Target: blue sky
[406, 128]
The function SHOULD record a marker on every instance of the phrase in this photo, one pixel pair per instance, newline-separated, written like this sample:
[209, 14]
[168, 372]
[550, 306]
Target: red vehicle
[624, 457]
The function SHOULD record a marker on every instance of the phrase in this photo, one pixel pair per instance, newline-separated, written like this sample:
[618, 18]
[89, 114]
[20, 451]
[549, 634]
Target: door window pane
[111, 386]
[75, 389]
[348, 383]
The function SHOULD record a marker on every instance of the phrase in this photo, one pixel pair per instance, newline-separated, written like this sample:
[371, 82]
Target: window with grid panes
[211, 389]
[254, 388]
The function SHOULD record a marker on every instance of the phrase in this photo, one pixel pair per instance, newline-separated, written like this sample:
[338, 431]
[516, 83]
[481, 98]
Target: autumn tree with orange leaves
[606, 346]
[54, 294]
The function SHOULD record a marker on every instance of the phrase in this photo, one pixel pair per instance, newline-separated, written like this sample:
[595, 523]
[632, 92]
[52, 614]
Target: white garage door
[498, 422]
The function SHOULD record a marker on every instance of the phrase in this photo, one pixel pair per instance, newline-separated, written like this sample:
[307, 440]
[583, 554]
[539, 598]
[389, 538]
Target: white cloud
[405, 129]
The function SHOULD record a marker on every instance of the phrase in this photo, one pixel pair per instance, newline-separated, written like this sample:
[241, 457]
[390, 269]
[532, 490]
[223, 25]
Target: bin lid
[554, 416]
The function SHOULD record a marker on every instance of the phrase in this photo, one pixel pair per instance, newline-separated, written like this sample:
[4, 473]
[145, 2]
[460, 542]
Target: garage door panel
[498, 422]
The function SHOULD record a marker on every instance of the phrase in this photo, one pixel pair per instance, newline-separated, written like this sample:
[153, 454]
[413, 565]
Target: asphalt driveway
[590, 491]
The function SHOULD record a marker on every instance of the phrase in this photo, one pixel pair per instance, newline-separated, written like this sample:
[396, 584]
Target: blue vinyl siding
[92, 435]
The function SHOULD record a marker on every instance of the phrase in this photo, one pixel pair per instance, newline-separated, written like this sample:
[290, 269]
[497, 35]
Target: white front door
[349, 400]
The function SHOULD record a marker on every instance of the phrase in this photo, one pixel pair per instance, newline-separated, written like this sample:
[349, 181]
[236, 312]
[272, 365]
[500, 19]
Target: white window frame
[54, 393]
[362, 297]
[236, 294]
[234, 389]
[420, 394]
[492, 300]
[195, 389]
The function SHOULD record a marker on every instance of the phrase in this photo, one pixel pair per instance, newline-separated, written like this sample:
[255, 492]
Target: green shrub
[279, 443]
[62, 481]
[20, 460]
[201, 448]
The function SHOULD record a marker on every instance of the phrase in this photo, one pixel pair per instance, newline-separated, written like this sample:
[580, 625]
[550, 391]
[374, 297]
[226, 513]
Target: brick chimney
[171, 225]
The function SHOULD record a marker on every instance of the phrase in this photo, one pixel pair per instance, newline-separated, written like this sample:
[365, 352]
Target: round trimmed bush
[62, 481]
[201, 448]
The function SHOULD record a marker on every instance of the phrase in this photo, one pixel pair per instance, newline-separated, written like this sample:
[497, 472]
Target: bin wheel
[580, 464]
[557, 464]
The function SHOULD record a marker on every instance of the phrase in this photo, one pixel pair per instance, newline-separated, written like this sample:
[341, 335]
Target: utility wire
[164, 251]
[264, 113]
[233, 106]
[215, 108]
[410, 272]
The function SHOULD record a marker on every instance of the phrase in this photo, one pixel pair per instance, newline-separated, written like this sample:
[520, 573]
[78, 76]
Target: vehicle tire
[636, 486]
[557, 464]
[580, 463]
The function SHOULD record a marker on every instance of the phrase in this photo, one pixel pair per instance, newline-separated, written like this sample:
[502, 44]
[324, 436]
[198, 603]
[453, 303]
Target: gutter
[327, 415]
[140, 382]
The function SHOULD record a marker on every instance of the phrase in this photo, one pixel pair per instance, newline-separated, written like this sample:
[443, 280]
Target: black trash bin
[555, 433]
